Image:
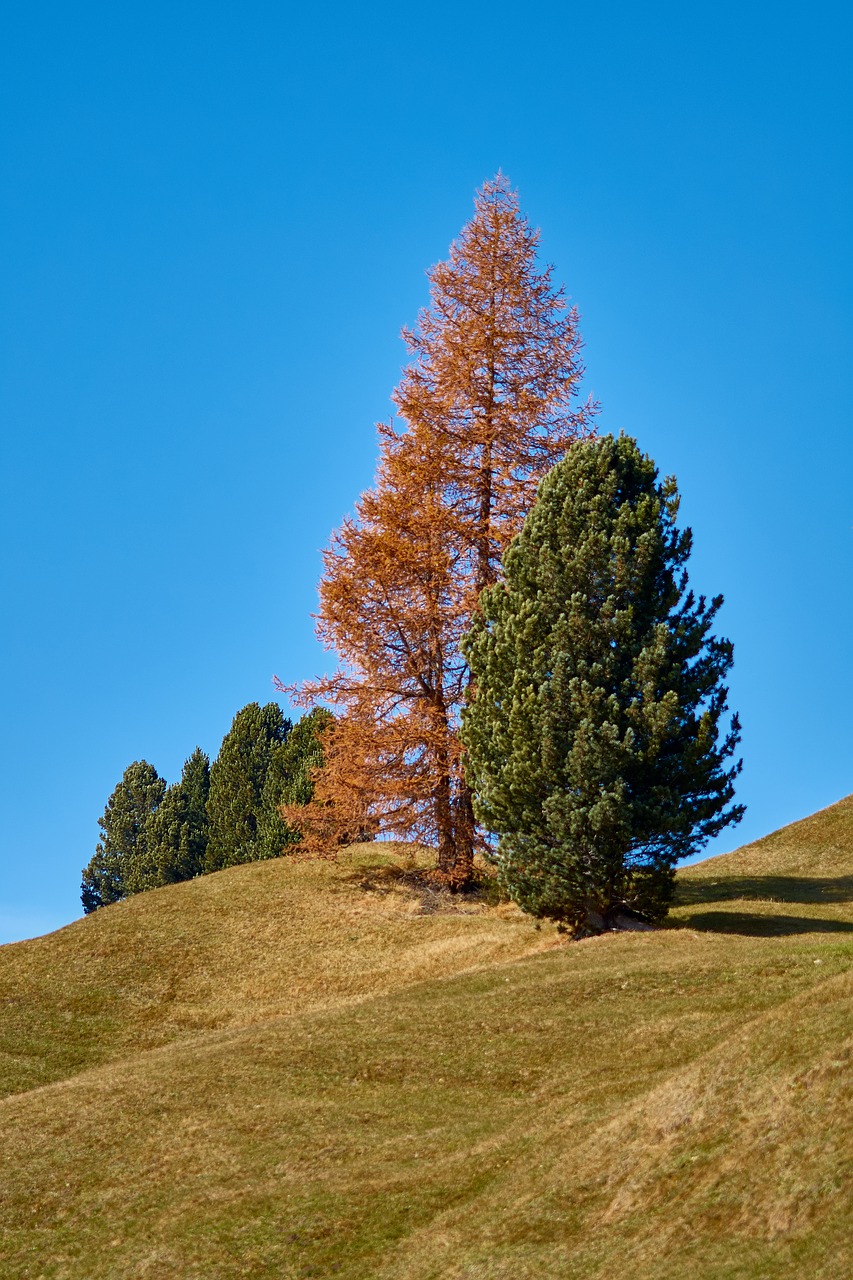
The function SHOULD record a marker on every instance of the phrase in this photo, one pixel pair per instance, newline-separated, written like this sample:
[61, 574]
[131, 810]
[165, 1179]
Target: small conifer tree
[123, 846]
[596, 740]
[177, 833]
[290, 781]
[238, 776]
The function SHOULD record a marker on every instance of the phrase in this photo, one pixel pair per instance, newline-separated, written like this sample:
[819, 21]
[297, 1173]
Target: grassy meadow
[326, 1070]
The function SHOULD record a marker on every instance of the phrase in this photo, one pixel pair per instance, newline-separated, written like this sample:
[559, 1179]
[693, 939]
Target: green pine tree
[123, 846]
[596, 741]
[177, 832]
[289, 780]
[238, 776]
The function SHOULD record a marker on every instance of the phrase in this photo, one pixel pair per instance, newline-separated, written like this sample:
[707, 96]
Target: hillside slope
[808, 864]
[670, 1104]
[251, 943]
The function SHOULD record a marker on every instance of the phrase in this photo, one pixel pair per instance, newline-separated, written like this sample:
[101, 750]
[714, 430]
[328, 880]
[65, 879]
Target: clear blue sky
[216, 218]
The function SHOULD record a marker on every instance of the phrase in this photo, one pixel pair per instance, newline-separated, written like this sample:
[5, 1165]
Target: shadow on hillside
[433, 896]
[764, 889]
[751, 924]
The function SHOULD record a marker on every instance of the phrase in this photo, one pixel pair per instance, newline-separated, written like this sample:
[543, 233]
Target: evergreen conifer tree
[595, 738]
[123, 846]
[290, 781]
[177, 832]
[238, 777]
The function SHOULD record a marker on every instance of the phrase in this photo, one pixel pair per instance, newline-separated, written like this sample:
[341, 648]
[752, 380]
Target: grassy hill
[293, 1070]
[257, 942]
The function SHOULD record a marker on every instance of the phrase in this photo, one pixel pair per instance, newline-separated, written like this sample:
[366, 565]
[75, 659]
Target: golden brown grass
[343, 1085]
[261, 941]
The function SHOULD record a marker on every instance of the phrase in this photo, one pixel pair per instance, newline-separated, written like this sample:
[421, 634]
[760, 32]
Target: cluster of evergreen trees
[217, 815]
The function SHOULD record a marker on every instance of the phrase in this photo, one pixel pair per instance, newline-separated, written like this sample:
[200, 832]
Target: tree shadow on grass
[753, 925]
[811, 891]
[435, 897]
[807, 891]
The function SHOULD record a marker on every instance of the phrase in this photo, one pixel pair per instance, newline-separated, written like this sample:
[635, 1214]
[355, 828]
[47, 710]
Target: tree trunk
[464, 866]
[444, 823]
[484, 575]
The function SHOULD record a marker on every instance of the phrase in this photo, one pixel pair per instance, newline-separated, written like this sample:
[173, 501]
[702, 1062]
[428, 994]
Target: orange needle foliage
[488, 405]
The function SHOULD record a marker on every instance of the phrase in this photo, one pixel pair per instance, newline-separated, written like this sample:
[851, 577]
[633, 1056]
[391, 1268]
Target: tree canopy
[597, 734]
[123, 845]
[177, 831]
[238, 777]
[290, 783]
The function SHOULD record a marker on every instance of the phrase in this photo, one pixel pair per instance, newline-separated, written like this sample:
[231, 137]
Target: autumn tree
[391, 609]
[487, 404]
[599, 737]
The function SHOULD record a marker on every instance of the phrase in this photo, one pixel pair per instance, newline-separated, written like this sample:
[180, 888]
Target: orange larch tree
[487, 405]
[389, 607]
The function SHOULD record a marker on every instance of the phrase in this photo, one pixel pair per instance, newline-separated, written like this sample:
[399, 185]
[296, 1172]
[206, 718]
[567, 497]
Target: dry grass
[347, 1082]
[260, 941]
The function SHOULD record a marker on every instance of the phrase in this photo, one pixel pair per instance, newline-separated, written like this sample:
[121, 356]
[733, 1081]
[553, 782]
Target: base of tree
[457, 879]
[435, 895]
[617, 920]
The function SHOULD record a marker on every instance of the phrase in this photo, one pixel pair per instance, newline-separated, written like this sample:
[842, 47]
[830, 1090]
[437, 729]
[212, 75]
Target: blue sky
[218, 219]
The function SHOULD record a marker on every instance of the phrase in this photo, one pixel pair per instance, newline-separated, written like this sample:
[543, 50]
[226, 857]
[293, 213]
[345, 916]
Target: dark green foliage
[214, 817]
[177, 832]
[289, 780]
[303, 753]
[195, 783]
[596, 743]
[123, 846]
[237, 780]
